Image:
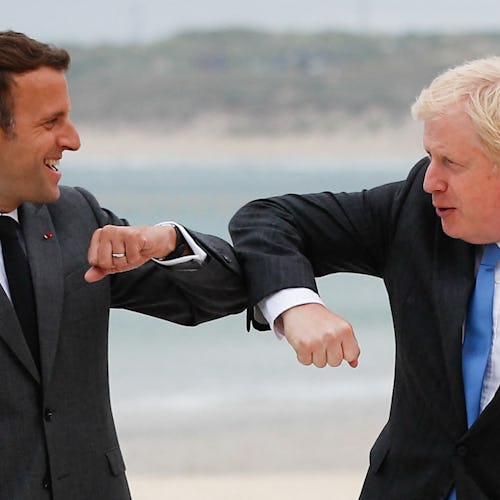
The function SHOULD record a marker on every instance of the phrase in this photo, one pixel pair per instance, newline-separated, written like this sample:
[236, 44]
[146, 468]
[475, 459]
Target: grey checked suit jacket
[392, 232]
[57, 436]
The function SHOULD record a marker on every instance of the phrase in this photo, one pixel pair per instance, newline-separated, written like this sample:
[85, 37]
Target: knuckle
[304, 345]
[320, 364]
[304, 360]
[346, 329]
[334, 357]
[334, 362]
[106, 229]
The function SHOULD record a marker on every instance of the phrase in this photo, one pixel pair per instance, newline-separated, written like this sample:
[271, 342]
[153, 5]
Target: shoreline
[203, 145]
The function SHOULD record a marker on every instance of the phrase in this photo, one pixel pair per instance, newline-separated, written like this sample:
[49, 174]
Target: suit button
[462, 450]
[48, 415]
[46, 483]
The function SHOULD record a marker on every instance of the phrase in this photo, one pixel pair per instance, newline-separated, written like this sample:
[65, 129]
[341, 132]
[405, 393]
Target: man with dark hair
[63, 268]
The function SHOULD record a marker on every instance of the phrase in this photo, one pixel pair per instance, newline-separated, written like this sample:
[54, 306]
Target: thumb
[94, 274]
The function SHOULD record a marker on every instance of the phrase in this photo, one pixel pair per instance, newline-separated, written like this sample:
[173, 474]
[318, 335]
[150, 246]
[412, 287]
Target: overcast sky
[93, 21]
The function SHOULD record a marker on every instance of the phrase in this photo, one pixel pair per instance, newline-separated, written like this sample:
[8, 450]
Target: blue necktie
[478, 334]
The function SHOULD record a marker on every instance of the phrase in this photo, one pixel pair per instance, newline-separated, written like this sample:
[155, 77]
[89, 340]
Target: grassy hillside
[261, 81]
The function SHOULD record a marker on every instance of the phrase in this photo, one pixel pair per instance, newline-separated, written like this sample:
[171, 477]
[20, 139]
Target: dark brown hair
[20, 54]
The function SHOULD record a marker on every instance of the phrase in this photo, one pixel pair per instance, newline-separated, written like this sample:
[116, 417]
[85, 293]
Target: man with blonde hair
[433, 239]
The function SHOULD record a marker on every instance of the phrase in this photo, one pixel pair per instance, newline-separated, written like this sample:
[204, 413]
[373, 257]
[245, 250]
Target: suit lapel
[13, 336]
[45, 260]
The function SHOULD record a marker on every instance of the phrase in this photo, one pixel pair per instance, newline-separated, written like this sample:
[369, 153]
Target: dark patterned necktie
[20, 283]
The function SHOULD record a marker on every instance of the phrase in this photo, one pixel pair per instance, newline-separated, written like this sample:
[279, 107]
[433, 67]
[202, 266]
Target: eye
[448, 162]
[50, 124]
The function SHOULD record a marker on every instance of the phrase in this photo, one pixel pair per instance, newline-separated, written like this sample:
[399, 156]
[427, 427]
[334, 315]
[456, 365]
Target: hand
[319, 336]
[131, 245]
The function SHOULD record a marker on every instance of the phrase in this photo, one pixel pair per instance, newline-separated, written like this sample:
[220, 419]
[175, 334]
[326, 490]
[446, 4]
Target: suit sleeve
[287, 241]
[181, 294]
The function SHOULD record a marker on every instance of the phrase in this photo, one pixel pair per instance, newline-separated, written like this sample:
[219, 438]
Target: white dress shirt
[491, 380]
[273, 306]
[3, 274]
[199, 255]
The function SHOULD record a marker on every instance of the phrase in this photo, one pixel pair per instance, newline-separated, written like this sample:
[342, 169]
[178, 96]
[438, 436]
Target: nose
[69, 139]
[433, 180]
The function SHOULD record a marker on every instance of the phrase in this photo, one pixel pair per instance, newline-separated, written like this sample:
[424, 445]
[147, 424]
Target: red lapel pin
[47, 235]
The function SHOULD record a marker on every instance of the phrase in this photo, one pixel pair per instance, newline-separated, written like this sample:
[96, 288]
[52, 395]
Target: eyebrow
[51, 116]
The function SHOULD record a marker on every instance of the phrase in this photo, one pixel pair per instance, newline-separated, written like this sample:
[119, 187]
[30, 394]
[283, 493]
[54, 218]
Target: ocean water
[168, 381]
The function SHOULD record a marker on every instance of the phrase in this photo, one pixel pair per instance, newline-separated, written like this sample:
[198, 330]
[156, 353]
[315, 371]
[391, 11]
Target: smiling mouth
[52, 165]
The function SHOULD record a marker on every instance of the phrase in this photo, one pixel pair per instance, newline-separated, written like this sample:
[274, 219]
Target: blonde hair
[474, 85]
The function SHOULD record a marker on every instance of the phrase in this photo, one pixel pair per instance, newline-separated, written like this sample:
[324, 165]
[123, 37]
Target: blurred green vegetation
[262, 81]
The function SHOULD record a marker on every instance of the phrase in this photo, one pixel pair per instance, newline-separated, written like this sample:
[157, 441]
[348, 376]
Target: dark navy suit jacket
[392, 232]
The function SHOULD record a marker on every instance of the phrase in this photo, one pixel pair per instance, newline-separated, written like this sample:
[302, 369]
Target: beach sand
[291, 486]
[209, 144]
[294, 452]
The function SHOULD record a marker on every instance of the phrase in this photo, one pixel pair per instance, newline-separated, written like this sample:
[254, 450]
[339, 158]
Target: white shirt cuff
[271, 307]
[199, 255]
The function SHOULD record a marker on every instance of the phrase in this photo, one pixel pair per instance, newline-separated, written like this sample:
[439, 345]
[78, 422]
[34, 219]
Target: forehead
[451, 133]
[43, 90]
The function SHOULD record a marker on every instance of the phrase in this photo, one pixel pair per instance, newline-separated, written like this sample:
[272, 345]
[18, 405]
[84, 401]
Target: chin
[468, 238]
[55, 191]
[50, 197]
[454, 233]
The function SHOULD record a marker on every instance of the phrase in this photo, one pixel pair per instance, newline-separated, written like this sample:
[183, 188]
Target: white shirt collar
[14, 214]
